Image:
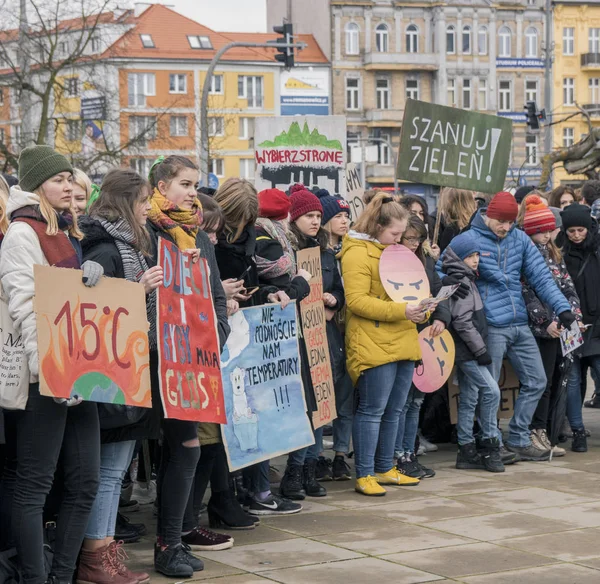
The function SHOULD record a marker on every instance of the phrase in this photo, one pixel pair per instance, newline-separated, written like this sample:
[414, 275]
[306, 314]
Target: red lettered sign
[188, 346]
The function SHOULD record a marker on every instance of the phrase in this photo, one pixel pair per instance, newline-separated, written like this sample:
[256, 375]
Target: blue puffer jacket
[502, 263]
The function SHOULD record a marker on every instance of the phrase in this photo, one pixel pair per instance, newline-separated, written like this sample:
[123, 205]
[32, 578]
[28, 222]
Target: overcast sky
[225, 15]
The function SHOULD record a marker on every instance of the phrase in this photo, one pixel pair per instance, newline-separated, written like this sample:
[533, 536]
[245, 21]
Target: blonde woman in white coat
[43, 230]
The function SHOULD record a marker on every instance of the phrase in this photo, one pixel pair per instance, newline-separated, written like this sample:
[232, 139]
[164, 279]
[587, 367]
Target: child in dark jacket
[476, 382]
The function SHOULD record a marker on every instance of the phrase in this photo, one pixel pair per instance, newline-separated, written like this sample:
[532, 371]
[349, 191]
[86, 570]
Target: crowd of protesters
[526, 267]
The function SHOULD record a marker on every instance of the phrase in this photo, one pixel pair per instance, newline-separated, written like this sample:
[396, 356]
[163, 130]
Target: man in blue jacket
[506, 254]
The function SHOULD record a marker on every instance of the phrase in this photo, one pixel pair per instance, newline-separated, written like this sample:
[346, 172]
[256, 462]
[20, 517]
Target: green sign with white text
[451, 147]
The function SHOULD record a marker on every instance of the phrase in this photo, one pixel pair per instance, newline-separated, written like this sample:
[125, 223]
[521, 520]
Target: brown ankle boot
[98, 568]
[119, 555]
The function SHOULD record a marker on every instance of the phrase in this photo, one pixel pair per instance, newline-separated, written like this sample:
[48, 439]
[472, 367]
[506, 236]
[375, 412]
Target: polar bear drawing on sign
[245, 423]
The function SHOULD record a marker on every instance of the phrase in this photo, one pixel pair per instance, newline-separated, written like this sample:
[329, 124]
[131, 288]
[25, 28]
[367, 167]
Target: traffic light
[533, 116]
[286, 54]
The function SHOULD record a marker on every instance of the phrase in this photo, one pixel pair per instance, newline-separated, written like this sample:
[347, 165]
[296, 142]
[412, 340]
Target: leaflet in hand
[571, 339]
[445, 292]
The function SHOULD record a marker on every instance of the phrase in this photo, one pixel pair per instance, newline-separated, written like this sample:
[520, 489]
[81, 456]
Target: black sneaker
[490, 455]
[340, 469]
[130, 506]
[173, 562]
[309, 475]
[579, 443]
[468, 458]
[195, 563]
[508, 457]
[328, 430]
[205, 540]
[428, 473]
[274, 505]
[530, 453]
[324, 469]
[291, 486]
[592, 403]
[408, 467]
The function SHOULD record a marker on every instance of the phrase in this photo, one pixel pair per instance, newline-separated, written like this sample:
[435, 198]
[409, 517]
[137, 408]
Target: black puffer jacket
[469, 326]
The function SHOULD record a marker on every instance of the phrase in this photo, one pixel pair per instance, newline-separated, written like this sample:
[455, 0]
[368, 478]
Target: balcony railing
[590, 60]
[427, 61]
[385, 115]
[592, 108]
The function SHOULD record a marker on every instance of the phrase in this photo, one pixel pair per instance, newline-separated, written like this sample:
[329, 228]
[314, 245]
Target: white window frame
[531, 43]
[147, 41]
[568, 41]
[482, 99]
[73, 130]
[594, 88]
[413, 92]
[505, 42]
[352, 94]
[384, 154]
[199, 42]
[382, 38]
[451, 92]
[141, 165]
[144, 81]
[482, 40]
[505, 97]
[383, 94]
[217, 84]
[466, 40]
[175, 85]
[594, 40]
[467, 94]
[249, 85]
[216, 126]
[531, 150]
[568, 91]
[217, 167]
[412, 38]
[95, 44]
[352, 39]
[568, 137]
[138, 126]
[531, 94]
[248, 169]
[178, 126]
[451, 39]
[71, 86]
[246, 128]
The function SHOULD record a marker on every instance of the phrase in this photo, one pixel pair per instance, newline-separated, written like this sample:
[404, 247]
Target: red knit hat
[538, 217]
[273, 204]
[503, 207]
[304, 202]
[296, 187]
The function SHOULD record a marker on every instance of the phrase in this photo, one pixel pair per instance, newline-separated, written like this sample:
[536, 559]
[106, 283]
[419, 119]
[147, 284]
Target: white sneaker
[421, 450]
[428, 446]
[144, 493]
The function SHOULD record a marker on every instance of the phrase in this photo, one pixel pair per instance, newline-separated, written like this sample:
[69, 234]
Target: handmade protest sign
[571, 339]
[354, 192]
[264, 399]
[447, 146]
[301, 149]
[437, 360]
[188, 345]
[92, 342]
[509, 391]
[312, 312]
[403, 275]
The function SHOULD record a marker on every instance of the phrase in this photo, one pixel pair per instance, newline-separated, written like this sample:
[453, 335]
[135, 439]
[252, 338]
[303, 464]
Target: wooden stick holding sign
[312, 312]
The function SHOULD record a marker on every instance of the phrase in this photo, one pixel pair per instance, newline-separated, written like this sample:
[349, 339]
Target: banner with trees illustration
[301, 149]
[92, 342]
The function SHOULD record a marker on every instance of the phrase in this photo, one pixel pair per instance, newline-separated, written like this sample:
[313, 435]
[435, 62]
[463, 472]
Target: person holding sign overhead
[381, 344]
[176, 215]
[43, 230]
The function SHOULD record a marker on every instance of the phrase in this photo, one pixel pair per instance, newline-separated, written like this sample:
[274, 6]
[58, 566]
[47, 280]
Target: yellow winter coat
[377, 330]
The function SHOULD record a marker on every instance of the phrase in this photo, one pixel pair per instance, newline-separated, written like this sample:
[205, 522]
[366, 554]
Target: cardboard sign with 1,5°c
[450, 147]
[188, 346]
[92, 342]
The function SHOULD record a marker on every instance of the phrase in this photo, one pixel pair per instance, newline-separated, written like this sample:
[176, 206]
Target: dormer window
[199, 42]
[147, 41]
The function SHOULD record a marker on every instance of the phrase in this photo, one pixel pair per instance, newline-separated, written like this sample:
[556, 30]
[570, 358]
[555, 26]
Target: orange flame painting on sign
[92, 342]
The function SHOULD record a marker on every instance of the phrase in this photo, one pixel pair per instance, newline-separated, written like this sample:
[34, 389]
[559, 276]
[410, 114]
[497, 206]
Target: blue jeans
[574, 398]
[310, 452]
[408, 425]
[382, 393]
[114, 461]
[518, 344]
[344, 404]
[477, 386]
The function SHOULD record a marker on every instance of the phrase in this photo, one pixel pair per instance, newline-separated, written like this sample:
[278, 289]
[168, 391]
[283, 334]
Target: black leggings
[46, 430]
[551, 355]
[175, 477]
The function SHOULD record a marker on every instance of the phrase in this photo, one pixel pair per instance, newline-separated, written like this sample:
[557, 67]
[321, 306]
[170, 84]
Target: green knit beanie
[39, 163]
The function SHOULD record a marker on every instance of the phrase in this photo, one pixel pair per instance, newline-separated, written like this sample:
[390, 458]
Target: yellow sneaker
[395, 477]
[369, 486]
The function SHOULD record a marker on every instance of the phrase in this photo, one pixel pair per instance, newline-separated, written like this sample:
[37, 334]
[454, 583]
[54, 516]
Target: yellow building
[576, 74]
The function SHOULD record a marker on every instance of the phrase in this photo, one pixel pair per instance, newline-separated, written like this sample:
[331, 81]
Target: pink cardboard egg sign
[437, 355]
[403, 275]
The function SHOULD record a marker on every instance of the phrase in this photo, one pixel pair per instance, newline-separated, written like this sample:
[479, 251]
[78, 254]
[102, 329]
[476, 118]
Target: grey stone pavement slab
[535, 523]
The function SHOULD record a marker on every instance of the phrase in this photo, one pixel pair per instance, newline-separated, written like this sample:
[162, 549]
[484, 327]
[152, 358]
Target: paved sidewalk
[535, 523]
